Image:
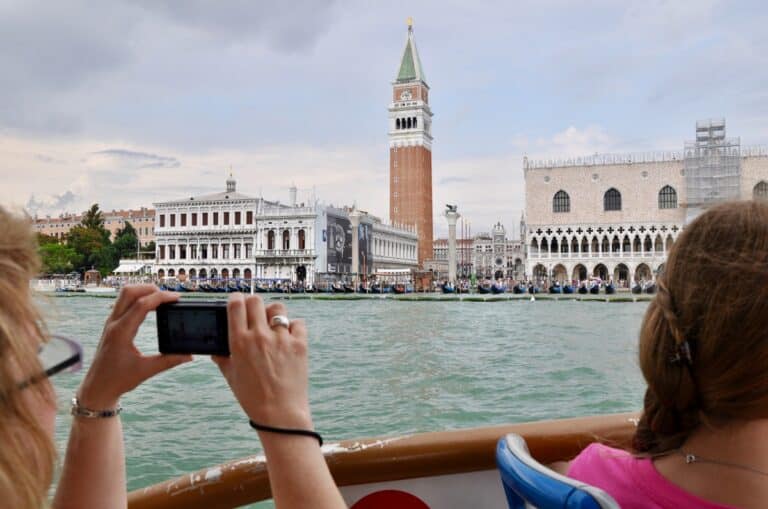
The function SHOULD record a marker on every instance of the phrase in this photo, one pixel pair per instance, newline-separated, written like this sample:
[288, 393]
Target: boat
[649, 287]
[610, 289]
[349, 288]
[583, 289]
[440, 469]
[402, 288]
[556, 288]
[484, 287]
[518, 289]
[533, 289]
[567, 289]
[448, 288]
[636, 288]
[337, 287]
[498, 288]
[594, 287]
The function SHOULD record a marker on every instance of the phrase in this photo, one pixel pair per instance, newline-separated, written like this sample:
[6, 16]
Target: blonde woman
[267, 371]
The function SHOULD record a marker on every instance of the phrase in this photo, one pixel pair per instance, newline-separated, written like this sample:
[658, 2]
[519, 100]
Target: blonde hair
[27, 453]
[703, 348]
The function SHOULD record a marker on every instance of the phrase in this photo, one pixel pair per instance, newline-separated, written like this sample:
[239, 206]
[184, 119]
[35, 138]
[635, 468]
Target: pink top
[634, 483]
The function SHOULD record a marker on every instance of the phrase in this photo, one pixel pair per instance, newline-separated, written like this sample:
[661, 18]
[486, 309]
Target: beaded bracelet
[287, 431]
[81, 411]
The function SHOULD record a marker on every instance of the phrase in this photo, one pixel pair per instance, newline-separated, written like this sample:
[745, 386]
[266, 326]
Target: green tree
[58, 258]
[43, 239]
[93, 218]
[126, 242]
[88, 244]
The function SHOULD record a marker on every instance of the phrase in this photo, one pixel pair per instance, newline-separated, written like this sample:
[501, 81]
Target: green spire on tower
[410, 65]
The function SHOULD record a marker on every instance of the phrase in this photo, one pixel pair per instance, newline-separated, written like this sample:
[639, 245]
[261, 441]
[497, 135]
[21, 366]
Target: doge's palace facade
[616, 216]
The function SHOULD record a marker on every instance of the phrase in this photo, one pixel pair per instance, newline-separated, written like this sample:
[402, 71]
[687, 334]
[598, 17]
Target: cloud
[141, 159]
[48, 203]
[453, 180]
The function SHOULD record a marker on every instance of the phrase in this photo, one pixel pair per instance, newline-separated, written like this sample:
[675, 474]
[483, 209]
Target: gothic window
[271, 239]
[612, 200]
[760, 191]
[667, 198]
[561, 202]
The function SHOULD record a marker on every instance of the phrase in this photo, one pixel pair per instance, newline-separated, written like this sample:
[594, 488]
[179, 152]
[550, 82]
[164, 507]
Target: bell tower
[410, 148]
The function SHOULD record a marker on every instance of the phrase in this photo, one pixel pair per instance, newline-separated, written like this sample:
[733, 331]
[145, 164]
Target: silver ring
[280, 320]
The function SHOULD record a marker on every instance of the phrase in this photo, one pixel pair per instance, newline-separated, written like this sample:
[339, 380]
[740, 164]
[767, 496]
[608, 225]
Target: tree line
[88, 246]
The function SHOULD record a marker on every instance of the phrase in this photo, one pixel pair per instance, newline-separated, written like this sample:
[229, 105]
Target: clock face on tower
[406, 95]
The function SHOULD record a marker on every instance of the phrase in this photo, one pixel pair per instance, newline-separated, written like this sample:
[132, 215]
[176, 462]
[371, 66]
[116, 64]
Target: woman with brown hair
[267, 371]
[702, 438]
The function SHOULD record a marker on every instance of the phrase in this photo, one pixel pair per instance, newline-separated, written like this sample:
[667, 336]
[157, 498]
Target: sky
[134, 102]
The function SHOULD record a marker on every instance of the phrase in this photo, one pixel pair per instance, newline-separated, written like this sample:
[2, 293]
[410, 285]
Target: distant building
[616, 216]
[486, 255]
[233, 235]
[410, 149]
[143, 221]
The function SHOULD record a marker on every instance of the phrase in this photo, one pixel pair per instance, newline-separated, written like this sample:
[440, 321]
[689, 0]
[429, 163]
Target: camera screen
[190, 329]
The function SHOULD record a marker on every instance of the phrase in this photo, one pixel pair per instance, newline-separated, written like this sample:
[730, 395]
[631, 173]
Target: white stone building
[233, 235]
[616, 216]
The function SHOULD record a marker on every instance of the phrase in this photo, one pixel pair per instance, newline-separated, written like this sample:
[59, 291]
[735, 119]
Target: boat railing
[372, 460]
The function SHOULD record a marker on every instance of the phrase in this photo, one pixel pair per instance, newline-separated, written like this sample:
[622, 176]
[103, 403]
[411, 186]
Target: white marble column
[452, 216]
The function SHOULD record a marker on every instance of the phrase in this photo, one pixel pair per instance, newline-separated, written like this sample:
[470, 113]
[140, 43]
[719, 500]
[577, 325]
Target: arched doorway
[214, 273]
[235, 273]
[171, 273]
[161, 273]
[579, 272]
[247, 274]
[203, 274]
[559, 273]
[539, 272]
[621, 275]
[192, 273]
[224, 273]
[600, 271]
[182, 272]
[301, 273]
[643, 273]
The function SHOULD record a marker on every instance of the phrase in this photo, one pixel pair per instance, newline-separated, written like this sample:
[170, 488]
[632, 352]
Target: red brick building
[410, 149]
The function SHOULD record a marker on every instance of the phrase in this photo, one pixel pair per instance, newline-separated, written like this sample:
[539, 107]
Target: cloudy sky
[126, 103]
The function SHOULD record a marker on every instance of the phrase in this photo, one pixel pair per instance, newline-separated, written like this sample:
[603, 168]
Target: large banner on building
[365, 238]
[339, 245]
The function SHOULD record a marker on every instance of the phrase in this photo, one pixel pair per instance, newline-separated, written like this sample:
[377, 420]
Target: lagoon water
[380, 367]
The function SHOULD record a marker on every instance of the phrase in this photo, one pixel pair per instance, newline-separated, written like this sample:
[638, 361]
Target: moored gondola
[610, 289]
[556, 288]
[448, 288]
[533, 289]
[484, 287]
[498, 288]
[649, 287]
[567, 289]
[583, 289]
[636, 288]
[594, 288]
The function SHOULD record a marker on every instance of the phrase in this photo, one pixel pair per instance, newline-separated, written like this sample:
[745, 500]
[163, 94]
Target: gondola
[449, 288]
[398, 288]
[583, 289]
[349, 288]
[636, 289]
[567, 289]
[337, 288]
[484, 288]
[594, 288]
[556, 288]
[498, 288]
[650, 287]
[533, 289]
[610, 289]
[518, 289]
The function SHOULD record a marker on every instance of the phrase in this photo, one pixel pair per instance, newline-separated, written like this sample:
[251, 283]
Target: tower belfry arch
[410, 148]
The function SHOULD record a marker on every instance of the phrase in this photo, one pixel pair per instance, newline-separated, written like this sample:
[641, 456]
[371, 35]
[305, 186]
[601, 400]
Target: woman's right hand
[267, 367]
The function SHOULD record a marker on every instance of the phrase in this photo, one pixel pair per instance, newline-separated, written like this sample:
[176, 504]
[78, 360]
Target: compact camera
[193, 328]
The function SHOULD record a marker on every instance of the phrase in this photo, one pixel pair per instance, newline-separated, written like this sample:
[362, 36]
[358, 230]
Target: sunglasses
[58, 354]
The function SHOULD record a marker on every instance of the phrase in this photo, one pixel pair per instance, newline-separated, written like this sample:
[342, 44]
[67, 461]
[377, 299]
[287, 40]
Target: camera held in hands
[193, 328]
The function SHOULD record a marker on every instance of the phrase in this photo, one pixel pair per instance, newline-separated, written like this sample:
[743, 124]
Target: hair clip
[682, 353]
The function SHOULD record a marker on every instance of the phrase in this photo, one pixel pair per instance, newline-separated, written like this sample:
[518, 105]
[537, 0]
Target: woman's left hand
[118, 366]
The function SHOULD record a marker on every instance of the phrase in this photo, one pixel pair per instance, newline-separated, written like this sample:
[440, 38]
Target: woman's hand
[118, 366]
[267, 366]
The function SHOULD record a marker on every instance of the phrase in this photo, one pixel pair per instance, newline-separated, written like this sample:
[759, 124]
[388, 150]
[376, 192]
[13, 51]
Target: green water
[381, 367]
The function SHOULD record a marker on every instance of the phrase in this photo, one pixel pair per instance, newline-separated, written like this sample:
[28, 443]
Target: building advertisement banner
[339, 245]
[365, 244]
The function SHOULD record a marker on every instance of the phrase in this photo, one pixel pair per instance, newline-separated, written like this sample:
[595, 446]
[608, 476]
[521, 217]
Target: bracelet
[81, 411]
[287, 431]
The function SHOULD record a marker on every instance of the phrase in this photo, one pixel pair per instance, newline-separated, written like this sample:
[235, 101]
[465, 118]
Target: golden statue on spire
[409, 21]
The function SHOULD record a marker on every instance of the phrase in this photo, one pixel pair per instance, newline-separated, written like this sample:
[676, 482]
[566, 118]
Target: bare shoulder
[561, 467]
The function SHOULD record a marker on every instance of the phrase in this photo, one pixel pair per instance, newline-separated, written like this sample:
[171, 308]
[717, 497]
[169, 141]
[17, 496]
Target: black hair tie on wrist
[287, 431]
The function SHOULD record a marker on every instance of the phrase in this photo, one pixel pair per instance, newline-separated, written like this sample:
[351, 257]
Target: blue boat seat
[527, 483]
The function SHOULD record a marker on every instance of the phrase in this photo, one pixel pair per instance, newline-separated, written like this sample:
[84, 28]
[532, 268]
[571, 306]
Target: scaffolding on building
[712, 165]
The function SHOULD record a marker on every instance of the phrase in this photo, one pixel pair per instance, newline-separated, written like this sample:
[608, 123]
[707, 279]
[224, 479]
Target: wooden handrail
[369, 460]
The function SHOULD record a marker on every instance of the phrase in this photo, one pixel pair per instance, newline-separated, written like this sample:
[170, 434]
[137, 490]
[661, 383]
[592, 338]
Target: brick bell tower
[410, 149]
